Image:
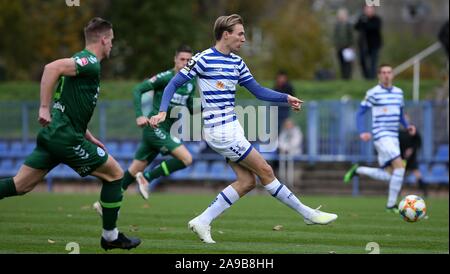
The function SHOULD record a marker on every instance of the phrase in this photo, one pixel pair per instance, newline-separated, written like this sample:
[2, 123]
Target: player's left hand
[99, 144]
[295, 103]
[44, 116]
[412, 130]
[156, 119]
[95, 141]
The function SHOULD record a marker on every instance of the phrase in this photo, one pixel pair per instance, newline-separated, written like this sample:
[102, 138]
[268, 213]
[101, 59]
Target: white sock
[375, 173]
[110, 235]
[223, 201]
[284, 195]
[395, 185]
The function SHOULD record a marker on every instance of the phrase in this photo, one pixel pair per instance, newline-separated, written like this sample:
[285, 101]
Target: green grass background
[305, 90]
[28, 223]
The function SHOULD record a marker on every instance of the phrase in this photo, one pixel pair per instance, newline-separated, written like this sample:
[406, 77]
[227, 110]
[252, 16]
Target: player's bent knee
[23, 187]
[137, 166]
[110, 171]
[187, 160]
[116, 173]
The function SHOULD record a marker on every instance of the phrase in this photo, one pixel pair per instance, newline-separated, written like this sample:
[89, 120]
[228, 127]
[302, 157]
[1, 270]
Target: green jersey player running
[65, 138]
[159, 140]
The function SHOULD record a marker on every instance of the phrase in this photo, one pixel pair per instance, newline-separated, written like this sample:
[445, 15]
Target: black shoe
[122, 242]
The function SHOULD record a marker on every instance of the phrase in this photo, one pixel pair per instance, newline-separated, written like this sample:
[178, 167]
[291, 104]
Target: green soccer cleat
[350, 174]
[393, 209]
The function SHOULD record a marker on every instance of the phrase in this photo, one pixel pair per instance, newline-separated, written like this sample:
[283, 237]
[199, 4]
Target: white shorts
[388, 149]
[228, 140]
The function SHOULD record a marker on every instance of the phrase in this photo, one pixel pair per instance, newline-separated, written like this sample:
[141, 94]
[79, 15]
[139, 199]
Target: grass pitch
[46, 223]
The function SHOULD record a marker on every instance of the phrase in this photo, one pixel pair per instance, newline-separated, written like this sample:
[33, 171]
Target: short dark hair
[183, 48]
[226, 23]
[384, 66]
[95, 29]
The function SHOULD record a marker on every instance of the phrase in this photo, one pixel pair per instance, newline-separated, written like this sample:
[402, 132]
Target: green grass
[305, 90]
[28, 223]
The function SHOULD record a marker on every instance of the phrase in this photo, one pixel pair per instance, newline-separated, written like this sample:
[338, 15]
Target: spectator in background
[290, 141]
[283, 85]
[443, 37]
[409, 146]
[343, 42]
[369, 41]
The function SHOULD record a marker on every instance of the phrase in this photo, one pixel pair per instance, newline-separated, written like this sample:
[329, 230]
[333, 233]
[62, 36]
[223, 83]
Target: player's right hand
[44, 116]
[142, 121]
[156, 119]
[295, 103]
[365, 136]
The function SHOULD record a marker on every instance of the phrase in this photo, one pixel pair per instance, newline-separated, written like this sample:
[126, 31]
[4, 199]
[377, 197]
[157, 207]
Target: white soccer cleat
[143, 185]
[321, 218]
[98, 207]
[203, 231]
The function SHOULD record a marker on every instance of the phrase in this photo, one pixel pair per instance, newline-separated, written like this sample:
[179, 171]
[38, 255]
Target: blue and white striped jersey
[218, 75]
[386, 105]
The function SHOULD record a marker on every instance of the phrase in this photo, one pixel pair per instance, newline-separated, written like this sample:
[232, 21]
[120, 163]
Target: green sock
[165, 169]
[7, 188]
[127, 180]
[110, 199]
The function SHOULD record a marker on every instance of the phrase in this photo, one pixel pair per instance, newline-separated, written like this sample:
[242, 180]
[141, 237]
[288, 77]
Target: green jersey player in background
[65, 138]
[156, 141]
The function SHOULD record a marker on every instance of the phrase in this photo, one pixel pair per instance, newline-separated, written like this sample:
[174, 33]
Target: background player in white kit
[386, 102]
[219, 70]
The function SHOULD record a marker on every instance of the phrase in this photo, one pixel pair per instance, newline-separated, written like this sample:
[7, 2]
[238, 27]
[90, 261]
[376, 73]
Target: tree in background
[35, 32]
[148, 33]
[281, 34]
[294, 41]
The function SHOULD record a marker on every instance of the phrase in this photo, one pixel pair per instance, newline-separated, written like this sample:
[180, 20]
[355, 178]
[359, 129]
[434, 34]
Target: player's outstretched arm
[266, 94]
[52, 72]
[170, 89]
[263, 93]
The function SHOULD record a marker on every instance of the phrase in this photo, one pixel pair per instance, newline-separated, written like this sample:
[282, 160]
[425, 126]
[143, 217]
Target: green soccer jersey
[182, 97]
[76, 96]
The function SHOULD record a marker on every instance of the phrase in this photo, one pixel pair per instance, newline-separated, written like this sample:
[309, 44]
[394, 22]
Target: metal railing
[415, 61]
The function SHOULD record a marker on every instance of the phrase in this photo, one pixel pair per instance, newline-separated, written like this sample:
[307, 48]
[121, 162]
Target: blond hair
[226, 23]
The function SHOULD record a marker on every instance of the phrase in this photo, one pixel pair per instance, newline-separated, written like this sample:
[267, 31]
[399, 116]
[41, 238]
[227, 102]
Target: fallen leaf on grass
[86, 207]
[277, 227]
[133, 228]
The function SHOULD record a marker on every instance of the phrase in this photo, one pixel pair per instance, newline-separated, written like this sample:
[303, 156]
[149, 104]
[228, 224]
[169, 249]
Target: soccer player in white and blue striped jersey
[386, 102]
[219, 70]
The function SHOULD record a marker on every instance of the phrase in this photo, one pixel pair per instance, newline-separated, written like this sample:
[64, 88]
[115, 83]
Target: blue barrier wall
[329, 130]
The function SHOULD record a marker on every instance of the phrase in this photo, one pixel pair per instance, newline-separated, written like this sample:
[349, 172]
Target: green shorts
[155, 141]
[60, 143]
